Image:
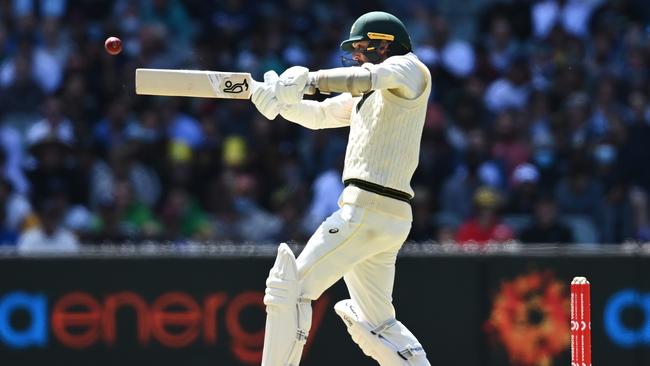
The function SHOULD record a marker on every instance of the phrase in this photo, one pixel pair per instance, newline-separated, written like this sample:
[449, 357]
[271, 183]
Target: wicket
[580, 322]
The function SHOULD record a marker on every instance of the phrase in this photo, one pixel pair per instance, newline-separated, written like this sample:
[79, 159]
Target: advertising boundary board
[466, 309]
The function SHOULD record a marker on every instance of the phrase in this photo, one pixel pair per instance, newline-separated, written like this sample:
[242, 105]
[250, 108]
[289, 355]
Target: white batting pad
[288, 317]
[390, 343]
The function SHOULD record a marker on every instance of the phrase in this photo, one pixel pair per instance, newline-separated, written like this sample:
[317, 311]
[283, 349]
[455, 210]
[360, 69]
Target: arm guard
[354, 80]
[404, 76]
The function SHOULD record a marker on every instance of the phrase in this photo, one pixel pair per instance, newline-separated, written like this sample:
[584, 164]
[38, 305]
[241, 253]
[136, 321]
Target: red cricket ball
[113, 45]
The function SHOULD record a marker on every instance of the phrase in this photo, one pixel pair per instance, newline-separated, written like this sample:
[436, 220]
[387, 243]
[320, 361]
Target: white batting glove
[292, 84]
[264, 97]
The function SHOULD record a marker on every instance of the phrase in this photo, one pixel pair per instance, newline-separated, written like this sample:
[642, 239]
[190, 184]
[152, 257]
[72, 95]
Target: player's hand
[264, 97]
[292, 85]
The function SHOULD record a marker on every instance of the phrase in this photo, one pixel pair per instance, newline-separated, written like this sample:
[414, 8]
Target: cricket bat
[194, 83]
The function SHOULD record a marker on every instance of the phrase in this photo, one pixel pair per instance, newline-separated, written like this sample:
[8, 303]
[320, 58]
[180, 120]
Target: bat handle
[254, 85]
[309, 90]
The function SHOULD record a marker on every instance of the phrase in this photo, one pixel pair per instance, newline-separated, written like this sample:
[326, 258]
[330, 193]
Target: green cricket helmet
[377, 26]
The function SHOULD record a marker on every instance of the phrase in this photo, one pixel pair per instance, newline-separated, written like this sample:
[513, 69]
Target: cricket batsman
[383, 99]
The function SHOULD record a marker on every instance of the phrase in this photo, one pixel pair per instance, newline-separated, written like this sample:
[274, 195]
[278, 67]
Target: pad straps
[406, 353]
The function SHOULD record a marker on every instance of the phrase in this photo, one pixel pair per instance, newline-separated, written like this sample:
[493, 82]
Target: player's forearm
[330, 113]
[310, 114]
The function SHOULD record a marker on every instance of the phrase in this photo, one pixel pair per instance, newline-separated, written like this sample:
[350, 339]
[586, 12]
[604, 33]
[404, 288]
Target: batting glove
[292, 85]
[264, 96]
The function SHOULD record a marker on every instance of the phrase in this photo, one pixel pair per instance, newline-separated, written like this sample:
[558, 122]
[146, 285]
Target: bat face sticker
[235, 87]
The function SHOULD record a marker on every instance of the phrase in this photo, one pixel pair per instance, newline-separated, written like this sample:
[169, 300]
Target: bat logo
[235, 88]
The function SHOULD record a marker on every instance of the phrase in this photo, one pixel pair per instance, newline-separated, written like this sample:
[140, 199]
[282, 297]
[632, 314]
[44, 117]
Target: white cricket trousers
[359, 242]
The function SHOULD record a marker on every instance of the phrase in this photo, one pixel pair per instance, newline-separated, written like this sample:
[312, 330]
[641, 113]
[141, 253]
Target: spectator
[579, 193]
[289, 205]
[172, 15]
[575, 124]
[54, 42]
[80, 104]
[639, 203]
[605, 110]
[183, 218]
[539, 118]
[49, 236]
[180, 126]
[546, 227]
[616, 218]
[486, 226]
[219, 205]
[123, 165]
[635, 69]
[15, 214]
[54, 169]
[525, 190]
[11, 158]
[111, 131]
[446, 227]
[467, 115]
[634, 148]
[502, 48]
[458, 190]
[254, 223]
[123, 216]
[510, 91]
[601, 56]
[508, 145]
[46, 70]
[54, 125]
[21, 94]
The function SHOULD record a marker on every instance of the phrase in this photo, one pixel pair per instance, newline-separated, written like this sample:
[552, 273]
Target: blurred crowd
[536, 129]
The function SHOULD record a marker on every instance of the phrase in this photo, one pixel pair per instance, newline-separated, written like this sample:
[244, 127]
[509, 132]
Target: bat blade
[194, 83]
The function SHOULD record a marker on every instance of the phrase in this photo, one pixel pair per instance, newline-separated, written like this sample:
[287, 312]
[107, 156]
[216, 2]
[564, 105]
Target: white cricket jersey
[385, 125]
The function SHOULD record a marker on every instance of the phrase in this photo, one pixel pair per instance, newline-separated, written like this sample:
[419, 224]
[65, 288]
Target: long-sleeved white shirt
[385, 129]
